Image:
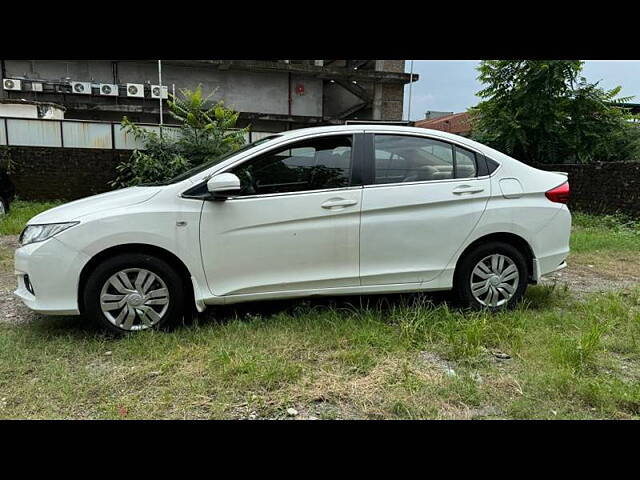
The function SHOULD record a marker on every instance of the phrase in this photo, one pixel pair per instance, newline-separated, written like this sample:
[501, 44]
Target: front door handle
[462, 189]
[334, 203]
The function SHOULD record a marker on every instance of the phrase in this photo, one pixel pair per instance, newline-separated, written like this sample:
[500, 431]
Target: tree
[205, 133]
[542, 111]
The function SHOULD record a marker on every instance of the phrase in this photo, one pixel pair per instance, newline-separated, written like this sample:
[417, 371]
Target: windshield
[203, 166]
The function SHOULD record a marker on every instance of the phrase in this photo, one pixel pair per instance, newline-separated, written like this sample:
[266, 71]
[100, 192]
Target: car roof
[378, 128]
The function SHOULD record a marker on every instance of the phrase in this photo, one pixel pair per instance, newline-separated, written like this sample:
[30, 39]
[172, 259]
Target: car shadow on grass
[81, 328]
[267, 308]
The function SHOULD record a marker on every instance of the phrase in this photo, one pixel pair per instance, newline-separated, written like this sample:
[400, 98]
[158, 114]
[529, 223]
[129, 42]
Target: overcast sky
[451, 85]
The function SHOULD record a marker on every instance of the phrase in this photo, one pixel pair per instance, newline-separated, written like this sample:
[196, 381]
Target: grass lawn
[20, 213]
[559, 355]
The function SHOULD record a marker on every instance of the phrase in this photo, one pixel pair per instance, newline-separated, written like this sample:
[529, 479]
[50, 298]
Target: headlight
[39, 233]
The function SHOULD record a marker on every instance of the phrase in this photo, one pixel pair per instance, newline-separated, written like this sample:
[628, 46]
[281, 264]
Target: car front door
[294, 225]
[423, 199]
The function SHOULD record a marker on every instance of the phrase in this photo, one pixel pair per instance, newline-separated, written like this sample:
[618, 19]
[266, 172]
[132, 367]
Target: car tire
[486, 277]
[132, 292]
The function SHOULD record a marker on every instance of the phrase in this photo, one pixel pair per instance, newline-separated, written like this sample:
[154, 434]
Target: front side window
[401, 159]
[315, 164]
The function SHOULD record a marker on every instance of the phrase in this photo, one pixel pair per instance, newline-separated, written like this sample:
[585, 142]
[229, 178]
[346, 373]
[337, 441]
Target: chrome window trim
[445, 180]
[288, 194]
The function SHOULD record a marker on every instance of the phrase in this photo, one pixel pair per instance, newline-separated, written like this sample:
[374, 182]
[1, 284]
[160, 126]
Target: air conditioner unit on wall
[109, 89]
[135, 90]
[155, 91]
[11, 84]
[81, 88]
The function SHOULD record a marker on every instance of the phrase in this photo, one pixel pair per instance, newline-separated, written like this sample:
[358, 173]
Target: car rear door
[422, 198]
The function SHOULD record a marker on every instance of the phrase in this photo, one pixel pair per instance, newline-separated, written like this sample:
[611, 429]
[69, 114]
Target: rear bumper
[536, 274]
[551, 245]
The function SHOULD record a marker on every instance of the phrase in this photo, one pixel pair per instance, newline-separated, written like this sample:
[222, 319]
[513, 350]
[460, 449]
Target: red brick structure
[458, 123]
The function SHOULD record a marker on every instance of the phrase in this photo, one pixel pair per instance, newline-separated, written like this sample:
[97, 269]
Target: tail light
[560, 194]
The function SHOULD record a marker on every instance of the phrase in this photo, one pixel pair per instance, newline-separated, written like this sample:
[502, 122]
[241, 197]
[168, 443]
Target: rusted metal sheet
[36, 133]
[125, 140]
[86, 135]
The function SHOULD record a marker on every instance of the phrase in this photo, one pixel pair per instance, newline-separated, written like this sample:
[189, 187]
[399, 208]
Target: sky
[451, 85]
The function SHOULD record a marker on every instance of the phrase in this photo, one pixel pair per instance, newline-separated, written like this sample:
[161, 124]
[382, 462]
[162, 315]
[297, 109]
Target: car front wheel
[133, 292]
[492, 276]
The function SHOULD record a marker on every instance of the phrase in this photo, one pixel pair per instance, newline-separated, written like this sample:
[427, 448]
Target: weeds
[392, 356]
[20, 213]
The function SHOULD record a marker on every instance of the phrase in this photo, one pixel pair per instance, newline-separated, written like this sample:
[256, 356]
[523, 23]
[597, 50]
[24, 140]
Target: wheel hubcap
[494, 280]
[134, 299]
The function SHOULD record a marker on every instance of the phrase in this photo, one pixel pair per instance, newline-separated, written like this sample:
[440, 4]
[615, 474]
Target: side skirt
[358, 290]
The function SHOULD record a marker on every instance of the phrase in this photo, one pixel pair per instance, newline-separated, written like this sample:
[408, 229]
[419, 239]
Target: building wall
[390, 65]
[253, 93]
[392, 101]
[30, 110]
[245, 91]
[43, 173]
[49, 173]
[19, 111]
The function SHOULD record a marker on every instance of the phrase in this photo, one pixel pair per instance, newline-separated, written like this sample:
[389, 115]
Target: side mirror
[223, 186]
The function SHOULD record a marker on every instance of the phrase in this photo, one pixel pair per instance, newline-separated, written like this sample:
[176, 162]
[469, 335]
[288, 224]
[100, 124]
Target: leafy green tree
[542, 111]
[205, 133]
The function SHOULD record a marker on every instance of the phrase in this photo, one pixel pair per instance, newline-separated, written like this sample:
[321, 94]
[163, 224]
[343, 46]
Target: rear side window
[492, 165]
[400, 159]
[315, 164]
[465, 163]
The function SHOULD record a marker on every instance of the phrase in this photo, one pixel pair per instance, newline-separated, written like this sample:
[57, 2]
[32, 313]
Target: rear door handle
[335, 203]
[462, 189]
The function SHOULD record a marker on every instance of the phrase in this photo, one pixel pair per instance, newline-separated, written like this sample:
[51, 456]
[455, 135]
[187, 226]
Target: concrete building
[271, 95]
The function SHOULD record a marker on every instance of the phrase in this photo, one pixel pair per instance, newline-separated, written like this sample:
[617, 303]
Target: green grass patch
[597, 233]
[21, 211]
[557, 355]
[399, 356]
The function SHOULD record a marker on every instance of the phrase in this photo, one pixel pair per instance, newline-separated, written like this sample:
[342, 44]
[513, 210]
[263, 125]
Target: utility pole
[160, 99]
[410, 85]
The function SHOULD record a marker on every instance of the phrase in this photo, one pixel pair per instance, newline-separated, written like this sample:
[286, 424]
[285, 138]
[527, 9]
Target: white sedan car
[355, 209]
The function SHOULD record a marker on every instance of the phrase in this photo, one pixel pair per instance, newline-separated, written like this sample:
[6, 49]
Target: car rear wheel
[492, 276]
[133, 292]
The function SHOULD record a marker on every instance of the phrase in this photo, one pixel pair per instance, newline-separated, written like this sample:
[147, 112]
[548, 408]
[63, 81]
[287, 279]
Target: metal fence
[79, 134]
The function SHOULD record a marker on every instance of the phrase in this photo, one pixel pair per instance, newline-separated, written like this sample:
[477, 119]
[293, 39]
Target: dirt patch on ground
[11, 309]
[589, 274]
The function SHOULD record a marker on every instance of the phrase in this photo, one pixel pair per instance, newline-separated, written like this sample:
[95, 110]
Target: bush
[205, 133]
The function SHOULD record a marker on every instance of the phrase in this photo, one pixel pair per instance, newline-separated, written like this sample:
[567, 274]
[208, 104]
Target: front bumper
[54, 270]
